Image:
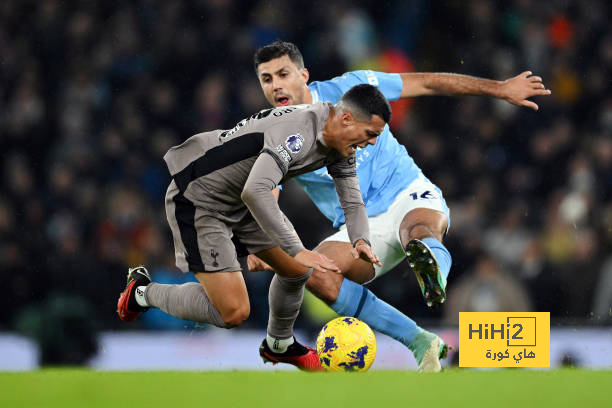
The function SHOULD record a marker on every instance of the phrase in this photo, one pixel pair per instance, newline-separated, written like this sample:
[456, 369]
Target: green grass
[453, 388]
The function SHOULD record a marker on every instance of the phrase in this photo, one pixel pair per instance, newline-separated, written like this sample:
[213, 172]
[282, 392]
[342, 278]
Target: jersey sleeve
[344, 173]
[389, 84]
[287, 142]
[259, 199]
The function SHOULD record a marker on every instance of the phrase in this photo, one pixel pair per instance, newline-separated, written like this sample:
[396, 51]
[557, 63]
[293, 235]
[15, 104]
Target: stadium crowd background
[92, 94]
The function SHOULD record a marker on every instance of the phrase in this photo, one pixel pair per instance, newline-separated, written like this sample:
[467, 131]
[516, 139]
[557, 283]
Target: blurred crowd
[92, 94]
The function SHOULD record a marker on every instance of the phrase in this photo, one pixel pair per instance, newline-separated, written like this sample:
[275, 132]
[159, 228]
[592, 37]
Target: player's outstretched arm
[515, 90]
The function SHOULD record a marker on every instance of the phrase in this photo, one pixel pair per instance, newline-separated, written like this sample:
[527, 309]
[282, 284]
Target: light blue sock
[357, 301]
[442, 255]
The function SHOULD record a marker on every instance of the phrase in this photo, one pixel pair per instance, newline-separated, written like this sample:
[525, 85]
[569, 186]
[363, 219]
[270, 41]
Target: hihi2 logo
[498, 339]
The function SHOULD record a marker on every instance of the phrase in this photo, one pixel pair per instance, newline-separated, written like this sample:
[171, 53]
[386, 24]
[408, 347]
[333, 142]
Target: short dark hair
[368, 100]
[276, 50]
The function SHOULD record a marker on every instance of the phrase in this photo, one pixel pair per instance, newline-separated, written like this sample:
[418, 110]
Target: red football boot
[304, 358]
[127, 307]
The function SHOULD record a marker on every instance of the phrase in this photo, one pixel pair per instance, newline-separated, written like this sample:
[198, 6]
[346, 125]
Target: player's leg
[285, 297]
[357, 270]
[421, 232]
[420, 218]
[219, 299]
[348, 298]
[228, 294]
[424, 221]
[203, 246]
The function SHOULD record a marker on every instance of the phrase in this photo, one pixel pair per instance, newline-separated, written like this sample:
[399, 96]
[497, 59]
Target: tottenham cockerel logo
[214, 256]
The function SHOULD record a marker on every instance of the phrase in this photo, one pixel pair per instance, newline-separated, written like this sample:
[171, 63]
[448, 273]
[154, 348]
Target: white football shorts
[384, 228]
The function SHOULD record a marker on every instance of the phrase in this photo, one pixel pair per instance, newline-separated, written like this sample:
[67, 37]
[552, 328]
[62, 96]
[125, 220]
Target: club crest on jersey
[294, 143]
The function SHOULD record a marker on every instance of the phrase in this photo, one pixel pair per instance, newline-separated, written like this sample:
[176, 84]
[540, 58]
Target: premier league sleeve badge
[294, 143]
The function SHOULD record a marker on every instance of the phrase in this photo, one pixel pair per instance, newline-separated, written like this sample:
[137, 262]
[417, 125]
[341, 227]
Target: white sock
[278, 345]
[139, 293]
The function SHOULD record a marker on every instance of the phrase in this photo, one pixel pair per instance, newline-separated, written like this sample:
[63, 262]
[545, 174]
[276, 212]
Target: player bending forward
[221, 187]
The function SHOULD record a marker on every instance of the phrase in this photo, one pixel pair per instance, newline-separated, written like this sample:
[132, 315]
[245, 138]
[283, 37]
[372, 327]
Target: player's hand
[254, 263]
[364, 251]
[516, 90]
[317, 261]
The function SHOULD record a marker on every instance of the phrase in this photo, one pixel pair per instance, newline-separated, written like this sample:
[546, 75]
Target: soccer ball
[346, 344]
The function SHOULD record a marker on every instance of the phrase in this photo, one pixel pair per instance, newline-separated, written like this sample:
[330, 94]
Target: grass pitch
[515, 388]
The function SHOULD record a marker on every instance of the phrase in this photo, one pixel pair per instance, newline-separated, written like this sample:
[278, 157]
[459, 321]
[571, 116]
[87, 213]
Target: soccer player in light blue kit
[407, 214]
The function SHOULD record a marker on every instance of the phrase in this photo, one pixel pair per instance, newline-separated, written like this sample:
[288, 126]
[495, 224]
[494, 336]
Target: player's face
[282, 82]
[353, 133]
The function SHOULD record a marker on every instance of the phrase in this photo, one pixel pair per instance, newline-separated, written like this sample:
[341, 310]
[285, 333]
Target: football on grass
[346, 344]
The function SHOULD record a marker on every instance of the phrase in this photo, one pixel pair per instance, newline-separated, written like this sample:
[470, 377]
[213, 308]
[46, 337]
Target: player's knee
[423, 223]
[325, 286]
[234, 316]
[361, 275]
[419, 231]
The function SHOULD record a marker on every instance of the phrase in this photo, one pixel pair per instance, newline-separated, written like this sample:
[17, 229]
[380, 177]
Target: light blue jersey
[384, 169]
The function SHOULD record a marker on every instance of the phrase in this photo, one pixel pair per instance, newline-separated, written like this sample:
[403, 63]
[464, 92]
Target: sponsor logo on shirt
[294, 143]
[371, 76]
[283, 153]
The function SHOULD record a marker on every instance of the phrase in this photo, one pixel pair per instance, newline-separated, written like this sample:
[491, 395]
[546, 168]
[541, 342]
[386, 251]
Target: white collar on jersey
[315, 96]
